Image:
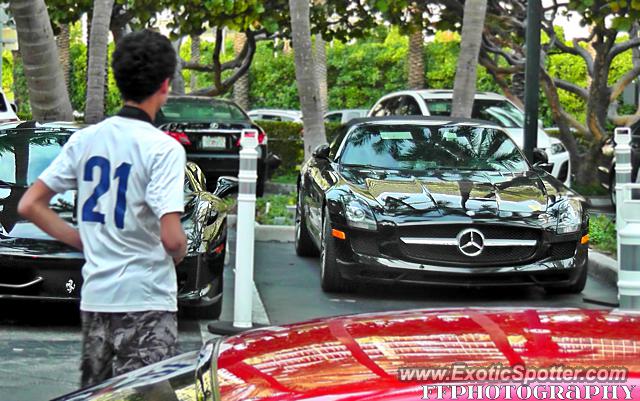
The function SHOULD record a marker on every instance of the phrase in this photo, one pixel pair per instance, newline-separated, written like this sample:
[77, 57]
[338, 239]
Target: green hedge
[286, 142]
[602, 234]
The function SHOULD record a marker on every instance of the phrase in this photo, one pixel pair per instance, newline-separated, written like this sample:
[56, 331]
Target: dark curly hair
[141, 62]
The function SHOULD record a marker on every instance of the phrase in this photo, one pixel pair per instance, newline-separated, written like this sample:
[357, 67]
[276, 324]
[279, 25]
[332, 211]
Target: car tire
[330, 278]
[575, 288]
[209, 312]
[303, 242]
[612, 189]
[260, 187]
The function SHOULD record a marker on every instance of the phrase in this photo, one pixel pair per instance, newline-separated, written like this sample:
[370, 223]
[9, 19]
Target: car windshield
[421, 147]
[24, 156]
[500, 112]
[200, 110]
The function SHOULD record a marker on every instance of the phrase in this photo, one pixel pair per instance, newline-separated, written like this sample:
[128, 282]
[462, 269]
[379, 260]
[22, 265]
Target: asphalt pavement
[290, 290]
[40, 343]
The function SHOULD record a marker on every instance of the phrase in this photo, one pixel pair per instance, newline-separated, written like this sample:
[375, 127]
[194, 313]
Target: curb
[268, 233]
[599, 201]
[603, 267]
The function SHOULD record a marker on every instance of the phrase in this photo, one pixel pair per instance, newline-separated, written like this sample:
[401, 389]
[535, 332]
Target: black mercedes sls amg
[441, 201]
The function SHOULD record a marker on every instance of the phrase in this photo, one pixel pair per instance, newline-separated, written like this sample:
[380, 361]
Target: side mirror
[14, 107]
[541, 160]
[226, 186]
[539, 156]
[195, 175]
[322, 151]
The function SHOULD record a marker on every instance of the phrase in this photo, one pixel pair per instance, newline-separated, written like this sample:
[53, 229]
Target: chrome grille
[439, 244]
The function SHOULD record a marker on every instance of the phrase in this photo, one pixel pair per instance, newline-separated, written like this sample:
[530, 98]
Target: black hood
[443, 192]
[22, 237]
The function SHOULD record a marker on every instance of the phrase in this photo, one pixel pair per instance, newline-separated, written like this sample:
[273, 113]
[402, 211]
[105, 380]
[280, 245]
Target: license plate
[214, 142]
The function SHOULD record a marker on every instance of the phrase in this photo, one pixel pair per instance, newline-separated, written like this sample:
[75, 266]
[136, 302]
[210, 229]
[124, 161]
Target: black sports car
[35, 266]
[437, 200]
[209, 129]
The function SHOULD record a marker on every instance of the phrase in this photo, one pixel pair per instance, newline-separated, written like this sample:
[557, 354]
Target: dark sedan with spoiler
[209, 129]
[439, 201]
[35, 266]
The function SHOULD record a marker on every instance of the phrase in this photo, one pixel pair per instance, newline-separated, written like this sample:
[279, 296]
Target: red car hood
[358, 357]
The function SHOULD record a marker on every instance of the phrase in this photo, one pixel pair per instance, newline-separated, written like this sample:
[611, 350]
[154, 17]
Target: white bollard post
[247, 177]
[627, 224]
[629, 247]
[622, 138]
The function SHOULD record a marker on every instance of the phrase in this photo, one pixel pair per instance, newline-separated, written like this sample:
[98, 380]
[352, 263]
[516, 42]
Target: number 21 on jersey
[121, 174]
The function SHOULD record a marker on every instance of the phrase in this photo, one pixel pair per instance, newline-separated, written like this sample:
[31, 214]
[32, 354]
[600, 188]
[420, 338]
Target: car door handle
[25, 285]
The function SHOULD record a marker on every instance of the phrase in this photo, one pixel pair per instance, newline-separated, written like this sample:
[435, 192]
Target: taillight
[179, 136]
[262, 137]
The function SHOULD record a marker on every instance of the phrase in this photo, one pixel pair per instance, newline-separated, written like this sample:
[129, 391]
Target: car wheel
[612, 189]
[210, 312]
[574, 288]
[330, 278]
[303, 242]
[260, 187]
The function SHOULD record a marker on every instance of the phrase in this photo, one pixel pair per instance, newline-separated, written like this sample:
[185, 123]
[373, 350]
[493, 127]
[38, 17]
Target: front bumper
[60, 279]
[364, 268]
[366, 261]
[200, 281]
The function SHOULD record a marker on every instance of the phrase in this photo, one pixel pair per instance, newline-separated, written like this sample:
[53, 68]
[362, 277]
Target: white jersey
[128, 174]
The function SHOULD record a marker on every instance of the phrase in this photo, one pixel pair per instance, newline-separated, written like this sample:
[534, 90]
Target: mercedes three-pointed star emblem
[470, 242]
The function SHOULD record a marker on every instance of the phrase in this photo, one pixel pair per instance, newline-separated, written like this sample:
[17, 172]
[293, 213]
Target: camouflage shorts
[116, 343]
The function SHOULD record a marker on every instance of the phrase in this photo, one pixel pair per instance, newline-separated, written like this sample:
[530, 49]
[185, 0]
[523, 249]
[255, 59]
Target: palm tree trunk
[308, 90]
[100, 21]
[177, 83]
[321, 71]
[464, 86]
[47, 92]
[195, 58]
[63, 51]
[415, 61]
[241, 87]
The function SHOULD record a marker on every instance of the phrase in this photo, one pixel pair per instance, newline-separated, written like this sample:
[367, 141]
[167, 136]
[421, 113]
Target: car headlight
[557, 147]
[569, 216]
[359, 215]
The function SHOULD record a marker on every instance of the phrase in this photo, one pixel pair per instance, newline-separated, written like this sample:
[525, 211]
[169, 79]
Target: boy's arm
[34, 206]
[173, 238]
[165, 197]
